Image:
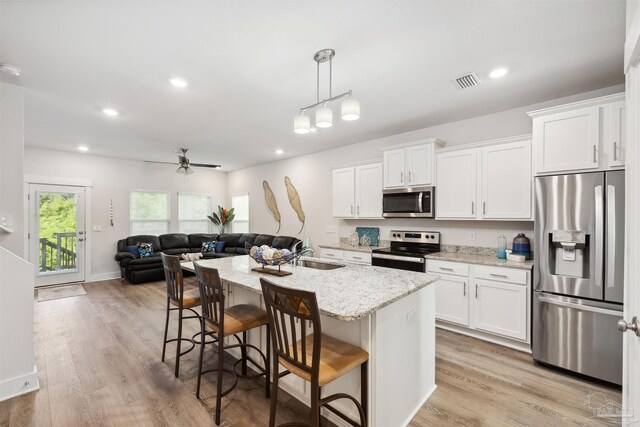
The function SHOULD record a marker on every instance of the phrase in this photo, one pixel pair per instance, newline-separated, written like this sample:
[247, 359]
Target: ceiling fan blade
[204, 165]
[163, 163]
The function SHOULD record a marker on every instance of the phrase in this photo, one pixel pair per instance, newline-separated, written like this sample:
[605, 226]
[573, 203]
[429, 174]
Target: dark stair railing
[60, 255]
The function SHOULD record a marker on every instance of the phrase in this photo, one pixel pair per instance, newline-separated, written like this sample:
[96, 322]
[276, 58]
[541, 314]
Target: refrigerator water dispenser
[569, 253]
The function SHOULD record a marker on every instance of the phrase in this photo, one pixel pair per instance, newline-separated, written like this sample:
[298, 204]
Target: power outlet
[472, 236]
[411, 317]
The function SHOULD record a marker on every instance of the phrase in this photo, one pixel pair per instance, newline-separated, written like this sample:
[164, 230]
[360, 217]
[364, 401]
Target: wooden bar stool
[179, 300]
[315, 357]
[220, 322]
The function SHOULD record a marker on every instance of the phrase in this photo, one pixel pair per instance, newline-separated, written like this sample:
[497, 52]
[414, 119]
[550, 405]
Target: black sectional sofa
[141, 270]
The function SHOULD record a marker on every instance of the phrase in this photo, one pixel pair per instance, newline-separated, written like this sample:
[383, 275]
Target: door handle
[595, 154]
[446, 268]
[615, 151]
[634, 326]
[464, 289]
[503, 276]
[473, 208]
[401, 176]
[484, 208]
[351, 209]
[358, 210]
[476, 291]
[409, 176]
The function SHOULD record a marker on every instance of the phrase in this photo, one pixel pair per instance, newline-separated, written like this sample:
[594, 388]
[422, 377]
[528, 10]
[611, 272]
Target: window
[241, 205]
[192, 213]
[149, 212]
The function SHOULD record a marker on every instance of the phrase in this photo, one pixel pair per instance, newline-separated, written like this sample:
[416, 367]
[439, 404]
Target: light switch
[97, 228]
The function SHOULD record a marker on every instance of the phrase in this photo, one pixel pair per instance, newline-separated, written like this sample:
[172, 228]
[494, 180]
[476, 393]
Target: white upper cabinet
[410, 165]
[394, 168]
[583, 136]
[456, 191]
[344, 192]
[491, 182]
[506, 181]
[369, 191]
[357, 191]
[419, 164]
[617, 139]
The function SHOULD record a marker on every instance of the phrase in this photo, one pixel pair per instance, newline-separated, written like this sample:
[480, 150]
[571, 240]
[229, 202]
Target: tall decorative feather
[294, 199]
[270, 198]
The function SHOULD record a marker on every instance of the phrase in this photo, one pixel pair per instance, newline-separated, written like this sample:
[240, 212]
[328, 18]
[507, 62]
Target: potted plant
[222, 218]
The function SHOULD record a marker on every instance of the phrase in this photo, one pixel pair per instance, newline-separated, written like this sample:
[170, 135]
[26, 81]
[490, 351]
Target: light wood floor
[98, 358]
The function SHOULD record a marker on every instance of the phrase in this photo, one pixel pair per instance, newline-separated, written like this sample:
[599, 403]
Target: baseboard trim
[104, 276]
[506, 342]
[420, 405]
[17, 386]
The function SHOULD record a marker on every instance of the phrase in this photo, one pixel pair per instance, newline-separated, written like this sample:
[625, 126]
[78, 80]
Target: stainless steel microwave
[408, 202]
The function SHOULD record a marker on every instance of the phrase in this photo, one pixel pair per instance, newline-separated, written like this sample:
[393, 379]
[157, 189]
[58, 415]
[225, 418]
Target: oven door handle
[399, 258]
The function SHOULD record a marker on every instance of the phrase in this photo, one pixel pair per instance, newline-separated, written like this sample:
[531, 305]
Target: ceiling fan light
[350, 109]
[301, 124]
[324, 117]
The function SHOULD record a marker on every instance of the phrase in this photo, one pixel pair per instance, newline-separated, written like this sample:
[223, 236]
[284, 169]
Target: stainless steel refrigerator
[578, 273]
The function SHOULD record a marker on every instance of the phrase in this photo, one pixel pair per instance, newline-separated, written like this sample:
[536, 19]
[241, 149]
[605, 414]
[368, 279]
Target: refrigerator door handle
[563, 303]
[598, 241]
[611, 235]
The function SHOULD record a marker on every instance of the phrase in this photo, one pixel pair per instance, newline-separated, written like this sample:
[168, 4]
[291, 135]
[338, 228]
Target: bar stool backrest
[285, 308]
[211, 295]
[173, 276]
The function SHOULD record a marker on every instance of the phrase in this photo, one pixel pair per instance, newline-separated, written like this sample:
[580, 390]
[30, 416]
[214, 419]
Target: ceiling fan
[184, 165]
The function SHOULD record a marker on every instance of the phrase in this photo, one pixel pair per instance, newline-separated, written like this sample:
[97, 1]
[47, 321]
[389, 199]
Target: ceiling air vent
[468, 80]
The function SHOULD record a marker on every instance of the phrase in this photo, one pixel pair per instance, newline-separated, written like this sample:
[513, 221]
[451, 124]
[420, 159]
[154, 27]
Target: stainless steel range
[407, 250]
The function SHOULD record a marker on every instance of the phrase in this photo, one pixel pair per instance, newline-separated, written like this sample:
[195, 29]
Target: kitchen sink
[319, 265]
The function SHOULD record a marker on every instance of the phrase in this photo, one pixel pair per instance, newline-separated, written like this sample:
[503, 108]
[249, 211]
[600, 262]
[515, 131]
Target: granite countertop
[482, 259]
[348, 293]
[347, 247]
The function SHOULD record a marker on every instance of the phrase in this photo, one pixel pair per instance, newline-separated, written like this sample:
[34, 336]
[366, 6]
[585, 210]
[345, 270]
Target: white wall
[112, 180]
[17, 360]
[311, 174]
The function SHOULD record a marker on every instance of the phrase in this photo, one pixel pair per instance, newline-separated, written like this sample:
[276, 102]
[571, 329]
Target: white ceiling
[250, 68]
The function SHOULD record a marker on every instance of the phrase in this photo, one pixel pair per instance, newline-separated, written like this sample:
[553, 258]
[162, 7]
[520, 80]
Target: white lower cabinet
[500, 308]
[452, 299]
[357, 257]
[487, 302]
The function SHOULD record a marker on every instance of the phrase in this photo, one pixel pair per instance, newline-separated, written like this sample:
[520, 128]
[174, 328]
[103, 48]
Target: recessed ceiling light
[279, 152]
[178, 82]
[83, 148]
[498, 72]
[110, 112]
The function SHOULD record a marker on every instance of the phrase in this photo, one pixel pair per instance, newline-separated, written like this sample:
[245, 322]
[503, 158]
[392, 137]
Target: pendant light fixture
[324, 114]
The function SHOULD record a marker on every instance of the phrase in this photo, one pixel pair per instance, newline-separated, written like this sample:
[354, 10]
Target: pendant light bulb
[302, 124]
[324, 117]
[350, 109]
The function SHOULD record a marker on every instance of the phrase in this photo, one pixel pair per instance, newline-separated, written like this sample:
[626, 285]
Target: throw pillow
[191, 256]
[145, 250]
[220, 245]
[208, 247]
[133, 250]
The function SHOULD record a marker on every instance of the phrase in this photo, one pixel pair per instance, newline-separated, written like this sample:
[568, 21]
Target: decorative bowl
[266, 255]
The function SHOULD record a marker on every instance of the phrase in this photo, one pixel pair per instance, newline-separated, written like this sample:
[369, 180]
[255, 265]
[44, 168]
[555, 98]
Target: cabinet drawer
[361, 257]
[332, 253]
[447, 267]
[499, 274]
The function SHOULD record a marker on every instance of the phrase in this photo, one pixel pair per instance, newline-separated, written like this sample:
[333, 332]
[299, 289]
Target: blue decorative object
[208, 247]
[373, 233]
[145, 250]
[133, 250]
[219, 245]
[521, 246]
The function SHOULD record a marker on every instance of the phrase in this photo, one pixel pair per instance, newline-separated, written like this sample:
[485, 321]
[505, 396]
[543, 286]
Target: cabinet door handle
[446, 268]
[615, 151]
[473, 208]
[409, 176]
[476, 291]
[401, 176]
[484, 208]
[464, 289]
[595, 154]
[356, 257]
[358, 209]
[503, 276]
[351, 209]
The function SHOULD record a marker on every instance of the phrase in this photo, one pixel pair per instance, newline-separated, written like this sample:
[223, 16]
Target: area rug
[57, 292]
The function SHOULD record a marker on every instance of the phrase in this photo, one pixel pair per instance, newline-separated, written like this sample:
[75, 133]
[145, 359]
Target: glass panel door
[57, 233]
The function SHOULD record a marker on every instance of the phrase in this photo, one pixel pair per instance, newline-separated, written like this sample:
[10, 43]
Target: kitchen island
[390, 313]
